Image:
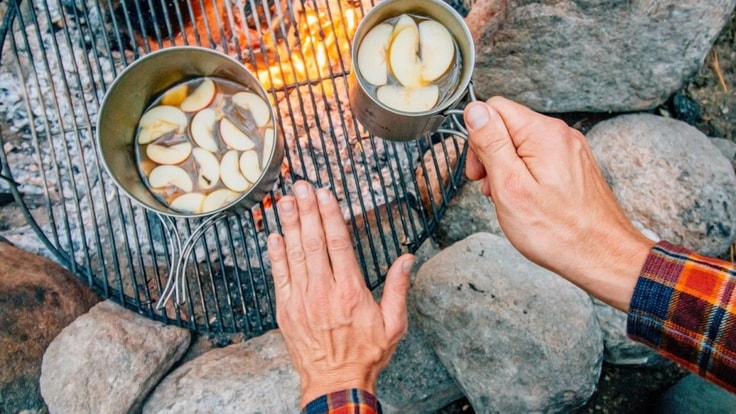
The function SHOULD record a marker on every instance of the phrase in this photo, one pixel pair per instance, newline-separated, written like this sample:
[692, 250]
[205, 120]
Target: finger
[474, 169]
[313, 236]
[515, 116]
[345, 268]
[393, 301]
[279, 267]
[295, 256]
[490, 141]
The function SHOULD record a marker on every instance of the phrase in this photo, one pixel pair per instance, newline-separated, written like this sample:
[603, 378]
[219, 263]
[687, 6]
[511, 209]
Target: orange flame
[324, 44]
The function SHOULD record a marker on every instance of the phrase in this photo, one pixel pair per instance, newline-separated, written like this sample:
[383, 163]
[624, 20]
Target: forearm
[684, 306]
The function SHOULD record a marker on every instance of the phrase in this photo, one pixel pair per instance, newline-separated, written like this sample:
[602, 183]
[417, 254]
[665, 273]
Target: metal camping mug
[128, 98]
[396, 125]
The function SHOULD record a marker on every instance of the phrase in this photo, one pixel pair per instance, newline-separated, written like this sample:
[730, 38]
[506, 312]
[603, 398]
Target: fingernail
[477, 116]
[323, 196]
[286, 206]
[406, 266]
[300, 190]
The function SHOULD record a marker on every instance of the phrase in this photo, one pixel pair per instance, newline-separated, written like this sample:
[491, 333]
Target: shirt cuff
[346, 401]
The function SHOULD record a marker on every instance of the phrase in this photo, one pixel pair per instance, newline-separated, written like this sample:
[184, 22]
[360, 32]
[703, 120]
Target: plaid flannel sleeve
[351, 401]
[684, 306]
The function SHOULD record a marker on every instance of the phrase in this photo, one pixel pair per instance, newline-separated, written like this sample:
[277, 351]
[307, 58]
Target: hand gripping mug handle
[455, 114]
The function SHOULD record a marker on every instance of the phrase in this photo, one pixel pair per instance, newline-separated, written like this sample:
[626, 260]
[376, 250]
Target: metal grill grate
[59, 57]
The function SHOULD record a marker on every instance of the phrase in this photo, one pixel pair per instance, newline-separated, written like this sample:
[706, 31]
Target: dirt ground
[707, 102]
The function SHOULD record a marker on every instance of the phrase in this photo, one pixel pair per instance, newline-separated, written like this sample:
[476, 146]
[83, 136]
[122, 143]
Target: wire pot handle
[176, 279]
[457, 128]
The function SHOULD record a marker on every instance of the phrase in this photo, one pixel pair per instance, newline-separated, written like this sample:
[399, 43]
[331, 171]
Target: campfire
[59, 60]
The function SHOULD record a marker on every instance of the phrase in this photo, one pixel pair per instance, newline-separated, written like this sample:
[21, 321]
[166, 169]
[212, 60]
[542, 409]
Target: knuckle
[295, 255]
[313, 245]
[339, 244]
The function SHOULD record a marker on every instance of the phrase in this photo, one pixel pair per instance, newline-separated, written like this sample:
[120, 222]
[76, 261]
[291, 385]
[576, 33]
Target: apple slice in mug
[201, 97]
[407, 99]
[437, 48]
[218, 199]
[249, 166]
[403, 60]
[158, 121]
[372, 54]
[208, 168]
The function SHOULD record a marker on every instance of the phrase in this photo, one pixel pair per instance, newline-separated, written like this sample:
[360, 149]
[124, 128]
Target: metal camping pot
[128, 98]
[395, 125]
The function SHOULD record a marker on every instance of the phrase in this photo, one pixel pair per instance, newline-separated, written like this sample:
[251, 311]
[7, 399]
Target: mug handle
[457, 128]
[180, 252]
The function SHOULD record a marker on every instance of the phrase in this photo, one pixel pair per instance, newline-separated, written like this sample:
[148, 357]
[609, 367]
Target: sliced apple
[259, 108]
[403, 60]
[171, 154]
[188, 203]
[269, 139]
[234, 137]
[208, 168]
[437, 48]
[230, 172]
[158, 121]
[409, 100]
[218, 199]
[203, 129]
[372, 54]
[403, 22]
[249, 166]
[170, 175]
[200, 98]
[176, 95]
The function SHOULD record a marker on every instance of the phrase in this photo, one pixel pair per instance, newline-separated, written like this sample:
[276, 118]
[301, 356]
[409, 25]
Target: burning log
[434, 176]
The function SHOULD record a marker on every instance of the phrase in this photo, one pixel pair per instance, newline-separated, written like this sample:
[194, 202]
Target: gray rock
[38, 298]
[256, 376]
[670, 178]
[695, 395]
[415, 380]
[591, 56]
[108, 360]
[618, 348]
[727, 148]
[516, 337]
[469, 212]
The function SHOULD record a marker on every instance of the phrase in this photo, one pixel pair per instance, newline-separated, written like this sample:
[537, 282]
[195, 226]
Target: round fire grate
[59, 57]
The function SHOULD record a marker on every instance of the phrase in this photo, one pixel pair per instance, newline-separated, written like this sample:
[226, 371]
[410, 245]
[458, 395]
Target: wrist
[318, 385]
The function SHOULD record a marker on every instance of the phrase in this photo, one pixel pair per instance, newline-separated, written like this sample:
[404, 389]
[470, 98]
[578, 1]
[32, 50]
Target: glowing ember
[324, 44]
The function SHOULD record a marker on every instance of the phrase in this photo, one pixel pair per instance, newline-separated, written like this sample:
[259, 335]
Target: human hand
[335, 332]
[551, 199]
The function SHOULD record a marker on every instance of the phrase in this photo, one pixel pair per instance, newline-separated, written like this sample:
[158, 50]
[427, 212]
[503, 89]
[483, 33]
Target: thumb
[393, 301]
[489, 139]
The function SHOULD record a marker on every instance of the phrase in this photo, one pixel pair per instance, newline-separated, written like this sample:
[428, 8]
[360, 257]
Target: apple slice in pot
[409, 100]
[176, 95]
[230, 172]
[259, 108]
[437, 48]
[208, 168]
[201, 97]
[249, 166]
[218, 199]
[188, 203]
[171, 154]
[170, 175]
[372, 54]
[158, 121]
[203, 129]
[233, 137]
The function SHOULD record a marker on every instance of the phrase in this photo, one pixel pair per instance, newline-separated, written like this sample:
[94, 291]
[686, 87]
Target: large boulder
[256, 376]
[108, 360]
[516, 337]
[591, 56]
[670, 178]
[38, 298]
